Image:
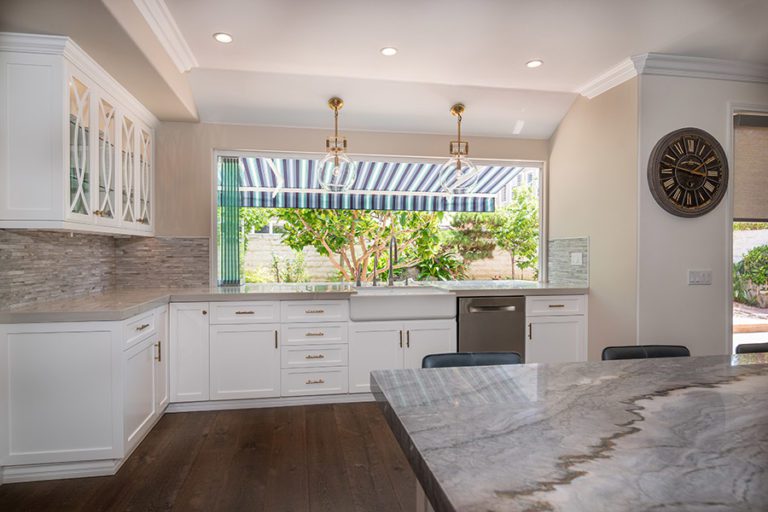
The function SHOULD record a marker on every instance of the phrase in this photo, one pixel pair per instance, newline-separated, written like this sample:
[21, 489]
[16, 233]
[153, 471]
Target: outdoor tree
[352, 238]
[516, 228]
[473, 235]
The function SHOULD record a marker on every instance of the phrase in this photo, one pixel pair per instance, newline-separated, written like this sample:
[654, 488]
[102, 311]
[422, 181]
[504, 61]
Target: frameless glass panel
[128, 170]
[79, 147]
[106, 204]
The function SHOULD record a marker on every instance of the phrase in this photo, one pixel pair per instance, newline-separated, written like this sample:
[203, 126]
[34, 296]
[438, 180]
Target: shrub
[750, 277]
[285, 270]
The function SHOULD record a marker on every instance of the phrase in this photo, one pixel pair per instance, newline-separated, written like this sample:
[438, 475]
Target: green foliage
[285, 270]
[749, 226]
[517, 228]
[443, 267]
[750, 272]
[259, 275]
[352, 238]
[472, 235]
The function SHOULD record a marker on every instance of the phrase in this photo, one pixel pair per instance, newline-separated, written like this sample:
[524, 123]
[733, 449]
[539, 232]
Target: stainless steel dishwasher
[492, 324]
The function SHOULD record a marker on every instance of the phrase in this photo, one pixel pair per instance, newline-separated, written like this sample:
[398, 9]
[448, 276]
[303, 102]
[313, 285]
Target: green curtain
[229, 221]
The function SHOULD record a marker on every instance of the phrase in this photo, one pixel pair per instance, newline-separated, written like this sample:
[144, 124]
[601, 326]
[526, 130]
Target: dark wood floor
[291, 459]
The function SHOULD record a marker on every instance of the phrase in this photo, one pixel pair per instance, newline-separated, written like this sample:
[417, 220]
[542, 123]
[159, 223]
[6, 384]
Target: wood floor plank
[322, 458]
[329, 489]
[370, 487]
[288, 477]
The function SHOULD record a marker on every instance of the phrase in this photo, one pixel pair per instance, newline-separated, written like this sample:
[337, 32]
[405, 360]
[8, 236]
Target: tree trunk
[512, 257]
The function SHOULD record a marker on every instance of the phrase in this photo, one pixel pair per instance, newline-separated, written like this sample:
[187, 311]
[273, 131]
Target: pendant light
[459, 175]
[336, 171]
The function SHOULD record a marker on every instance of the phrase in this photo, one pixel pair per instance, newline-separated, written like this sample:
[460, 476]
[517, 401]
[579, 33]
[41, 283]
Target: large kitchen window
[274, 223]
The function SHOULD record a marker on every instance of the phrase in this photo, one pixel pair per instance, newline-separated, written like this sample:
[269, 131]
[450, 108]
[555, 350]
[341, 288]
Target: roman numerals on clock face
[688, 172]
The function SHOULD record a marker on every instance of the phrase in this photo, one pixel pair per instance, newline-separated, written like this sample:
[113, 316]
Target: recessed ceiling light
[222, 37]
[534, 63]
[388, 51]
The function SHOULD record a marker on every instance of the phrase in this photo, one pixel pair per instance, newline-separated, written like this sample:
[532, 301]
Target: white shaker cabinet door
[555, 339]
[162, 368]
[189, 352]
[139, 392]
[245, 361]
[428, 337]
[373, 346]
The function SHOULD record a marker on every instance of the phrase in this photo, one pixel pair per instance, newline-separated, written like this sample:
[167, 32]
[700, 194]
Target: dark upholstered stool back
[644, 352]
[752, 348]
[470, 359]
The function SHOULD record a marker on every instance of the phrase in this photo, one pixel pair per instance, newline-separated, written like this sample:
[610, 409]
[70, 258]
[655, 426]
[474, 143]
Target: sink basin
[401, 303]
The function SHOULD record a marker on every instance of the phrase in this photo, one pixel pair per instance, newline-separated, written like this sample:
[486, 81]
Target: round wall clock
[688, 172]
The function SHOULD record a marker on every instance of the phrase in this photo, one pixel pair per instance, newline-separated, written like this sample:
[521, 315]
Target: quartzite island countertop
[125, 303]
[682, 434]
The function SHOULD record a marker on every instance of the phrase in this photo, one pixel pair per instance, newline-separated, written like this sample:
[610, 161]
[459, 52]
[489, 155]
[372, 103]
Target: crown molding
[68, 49]
[160, 20]
[699, 67]
[618, 74]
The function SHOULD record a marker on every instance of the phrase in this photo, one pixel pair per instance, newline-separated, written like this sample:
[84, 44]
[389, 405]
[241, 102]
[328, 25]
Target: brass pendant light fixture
[459, 175]
[336, 171]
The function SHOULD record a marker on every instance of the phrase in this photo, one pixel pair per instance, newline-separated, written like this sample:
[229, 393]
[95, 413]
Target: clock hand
[691, 171]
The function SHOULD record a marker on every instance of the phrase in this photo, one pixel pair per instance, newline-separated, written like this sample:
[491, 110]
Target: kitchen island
[656, 434]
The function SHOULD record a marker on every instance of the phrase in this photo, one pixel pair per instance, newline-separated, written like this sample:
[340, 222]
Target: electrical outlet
[699, 277]
[577, 258]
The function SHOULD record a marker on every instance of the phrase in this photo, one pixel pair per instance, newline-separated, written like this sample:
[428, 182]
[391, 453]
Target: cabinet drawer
[321, 381]
[312, 334]
[139, 328]
[313, 356]
[252, 312]
[315, 311]
[555, 305]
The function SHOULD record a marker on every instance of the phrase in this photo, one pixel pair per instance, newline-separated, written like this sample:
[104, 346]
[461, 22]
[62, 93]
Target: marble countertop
[125, 303]
[682, 434]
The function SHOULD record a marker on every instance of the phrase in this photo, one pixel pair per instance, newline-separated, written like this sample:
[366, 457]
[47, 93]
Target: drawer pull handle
[142, 327]
[314, 311]
[318, 381]
[318, 356]
[275, 338]
[557, 305]
[244, 312]
[310, 334]
[159, 357]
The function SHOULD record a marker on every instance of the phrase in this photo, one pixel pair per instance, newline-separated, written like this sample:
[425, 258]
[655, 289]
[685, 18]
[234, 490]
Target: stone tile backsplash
[162, 262]
[40, 266]
[560, 268]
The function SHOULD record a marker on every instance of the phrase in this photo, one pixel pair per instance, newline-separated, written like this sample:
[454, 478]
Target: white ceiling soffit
[272, 99]
[163, 25]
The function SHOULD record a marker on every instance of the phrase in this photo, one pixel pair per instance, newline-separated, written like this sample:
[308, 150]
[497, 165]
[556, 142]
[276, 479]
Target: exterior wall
[184, 161]
[669, 310]
[593, 193]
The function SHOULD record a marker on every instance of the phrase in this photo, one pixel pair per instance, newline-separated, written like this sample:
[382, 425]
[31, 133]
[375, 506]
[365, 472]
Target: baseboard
[59, 470]
[256, 403]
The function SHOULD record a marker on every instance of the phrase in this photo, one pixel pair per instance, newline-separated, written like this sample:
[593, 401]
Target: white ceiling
[289, 56]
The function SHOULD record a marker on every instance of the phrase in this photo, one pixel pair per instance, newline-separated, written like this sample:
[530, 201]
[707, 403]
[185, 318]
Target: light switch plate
[699, 277]
[577, 258]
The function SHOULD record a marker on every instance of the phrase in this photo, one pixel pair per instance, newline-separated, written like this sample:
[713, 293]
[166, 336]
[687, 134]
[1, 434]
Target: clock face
[688, 172]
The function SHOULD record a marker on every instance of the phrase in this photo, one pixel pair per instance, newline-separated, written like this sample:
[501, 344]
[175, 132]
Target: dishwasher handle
[486, 309]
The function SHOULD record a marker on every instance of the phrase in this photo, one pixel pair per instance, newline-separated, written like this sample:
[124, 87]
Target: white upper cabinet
[79, 151]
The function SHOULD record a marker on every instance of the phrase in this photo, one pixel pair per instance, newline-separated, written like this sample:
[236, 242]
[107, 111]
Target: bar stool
[644, 352]
[470, 359]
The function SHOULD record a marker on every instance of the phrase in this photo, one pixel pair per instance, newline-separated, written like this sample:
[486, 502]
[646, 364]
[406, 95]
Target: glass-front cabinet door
[128, 170]
[79, 148]
[106, 164]
[145, 177]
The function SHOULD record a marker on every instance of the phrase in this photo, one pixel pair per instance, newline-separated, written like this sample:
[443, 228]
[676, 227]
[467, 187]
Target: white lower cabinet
[139, 392]
[244, 361]
[556, 329]
[162, 367]
[394, 344]
[189, 352]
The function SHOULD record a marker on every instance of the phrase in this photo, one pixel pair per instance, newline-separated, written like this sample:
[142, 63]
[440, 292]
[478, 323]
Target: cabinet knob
[205, 312]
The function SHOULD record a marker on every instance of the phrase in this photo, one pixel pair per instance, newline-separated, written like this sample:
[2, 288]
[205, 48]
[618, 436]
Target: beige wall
[184, 160]
[593, 192]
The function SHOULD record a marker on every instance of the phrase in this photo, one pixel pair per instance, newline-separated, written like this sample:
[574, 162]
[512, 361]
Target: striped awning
[380, 185]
